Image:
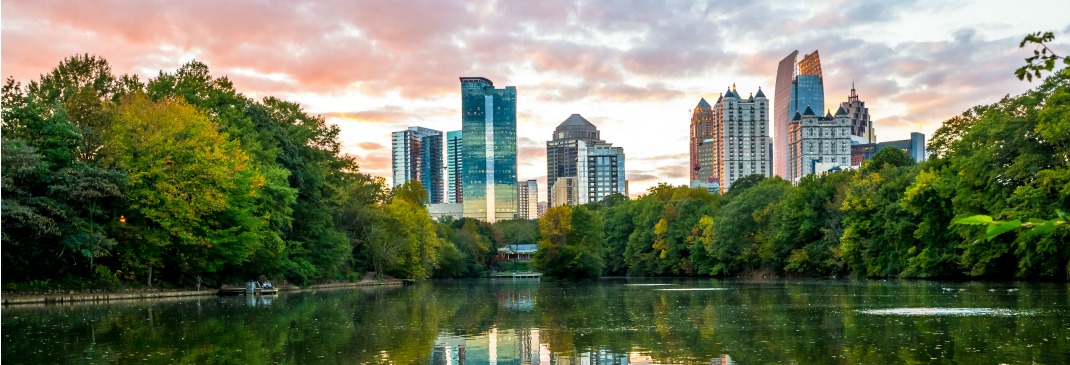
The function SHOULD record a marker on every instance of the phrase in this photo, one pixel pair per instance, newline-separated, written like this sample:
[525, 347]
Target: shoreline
[152, 294]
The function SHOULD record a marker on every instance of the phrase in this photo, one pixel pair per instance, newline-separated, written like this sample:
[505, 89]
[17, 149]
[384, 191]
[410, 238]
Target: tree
[571, 243]
[189, 192]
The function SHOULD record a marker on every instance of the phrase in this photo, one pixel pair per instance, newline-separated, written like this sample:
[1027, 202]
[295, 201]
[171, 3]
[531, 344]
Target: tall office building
[817, 144]
[488, 125]
[561, 150]
[454, 167]
[741, 138]
[417, 155]
[799, 84]
[702, 143]
[861, 126]
[528, 200]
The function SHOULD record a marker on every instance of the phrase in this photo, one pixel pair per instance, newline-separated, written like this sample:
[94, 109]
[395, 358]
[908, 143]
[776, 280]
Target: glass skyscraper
[454, 166]
[417, 155]
[799, 84]
[562, 149]
[488, 125]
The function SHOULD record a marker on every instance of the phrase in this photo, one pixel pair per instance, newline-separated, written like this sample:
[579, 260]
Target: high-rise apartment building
[818, 144]
[561, 150]
[599, 171]
[454, 167]
[543, 206]
[488, 125]
[417, 155]
[702, 142]
[741, 137]
[799, 84]
[861, 126]
[528, 199]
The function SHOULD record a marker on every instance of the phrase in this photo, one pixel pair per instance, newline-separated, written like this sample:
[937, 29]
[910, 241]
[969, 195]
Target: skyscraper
[799, 83]
[861, 126]
[702, 142]
[454, 167]
[417, 155]
[488, 124]
[561, 150]
[740, 137]
[528, 200]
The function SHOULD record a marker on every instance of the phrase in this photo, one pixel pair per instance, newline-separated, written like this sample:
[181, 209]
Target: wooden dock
[517, 275]
[243, 291]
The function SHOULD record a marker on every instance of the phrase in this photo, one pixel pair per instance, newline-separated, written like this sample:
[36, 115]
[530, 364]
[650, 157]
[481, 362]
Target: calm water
[606, 322]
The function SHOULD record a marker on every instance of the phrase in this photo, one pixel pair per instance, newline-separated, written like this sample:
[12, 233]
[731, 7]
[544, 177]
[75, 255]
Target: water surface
[527, 322]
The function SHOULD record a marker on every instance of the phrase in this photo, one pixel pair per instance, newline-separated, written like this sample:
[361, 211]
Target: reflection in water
[523, 347]
[531, 322]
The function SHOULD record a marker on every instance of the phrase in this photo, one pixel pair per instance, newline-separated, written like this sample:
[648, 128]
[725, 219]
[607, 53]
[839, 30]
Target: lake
[610, 321]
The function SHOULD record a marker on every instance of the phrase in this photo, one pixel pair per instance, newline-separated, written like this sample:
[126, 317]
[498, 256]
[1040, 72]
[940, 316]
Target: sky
[635, 69]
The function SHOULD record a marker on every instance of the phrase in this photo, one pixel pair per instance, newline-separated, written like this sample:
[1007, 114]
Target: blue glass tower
[488, 135]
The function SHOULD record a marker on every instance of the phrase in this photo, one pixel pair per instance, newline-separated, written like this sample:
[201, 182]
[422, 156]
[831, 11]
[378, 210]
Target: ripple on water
[648, 284]
[923, 311]
[692, 289]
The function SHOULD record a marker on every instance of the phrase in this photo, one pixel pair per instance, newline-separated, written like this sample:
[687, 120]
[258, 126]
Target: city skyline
[376, 68]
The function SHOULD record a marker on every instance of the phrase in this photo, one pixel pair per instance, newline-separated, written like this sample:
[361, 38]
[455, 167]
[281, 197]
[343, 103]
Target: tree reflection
[527, 322]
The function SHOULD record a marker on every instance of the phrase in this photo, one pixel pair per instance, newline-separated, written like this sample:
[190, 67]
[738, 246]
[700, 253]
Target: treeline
[892, 218]
[115, 181]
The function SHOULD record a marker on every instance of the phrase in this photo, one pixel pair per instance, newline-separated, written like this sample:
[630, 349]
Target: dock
[517, 275]
[243, 291]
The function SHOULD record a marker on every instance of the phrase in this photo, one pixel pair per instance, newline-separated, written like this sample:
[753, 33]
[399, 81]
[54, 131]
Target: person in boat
[267, 284]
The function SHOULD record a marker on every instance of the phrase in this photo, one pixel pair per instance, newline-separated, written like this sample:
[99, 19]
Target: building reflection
[523, 347]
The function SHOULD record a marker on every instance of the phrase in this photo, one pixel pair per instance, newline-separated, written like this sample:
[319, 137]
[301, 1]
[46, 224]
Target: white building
[818, 144]
[528, 199]
[741, 138]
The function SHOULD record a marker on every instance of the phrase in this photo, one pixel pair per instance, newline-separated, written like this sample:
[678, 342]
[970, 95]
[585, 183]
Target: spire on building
[841, 112]
[808, 112]
[828, 113]
[760, 94]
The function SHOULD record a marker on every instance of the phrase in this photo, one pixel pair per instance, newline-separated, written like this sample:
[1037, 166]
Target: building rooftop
[760, 94]
[576, 121]
[808, 112]
[476, 78]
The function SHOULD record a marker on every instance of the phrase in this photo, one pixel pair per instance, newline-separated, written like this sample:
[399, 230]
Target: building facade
[599, 171]
[543, 206]
[488, 137]
[562, 149]
[861, 127]
[818, 144]
[454, 167]
[564, 192]
[799, 83]
[528, 199]
[417, 155]
[741, 138]
[701, 143]
[913, 147]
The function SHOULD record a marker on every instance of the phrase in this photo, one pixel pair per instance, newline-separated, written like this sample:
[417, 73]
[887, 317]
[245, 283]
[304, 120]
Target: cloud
[375, 67]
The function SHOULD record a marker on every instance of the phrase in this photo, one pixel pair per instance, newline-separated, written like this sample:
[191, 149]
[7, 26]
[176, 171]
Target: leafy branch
[1044, 58]
[996, 228]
